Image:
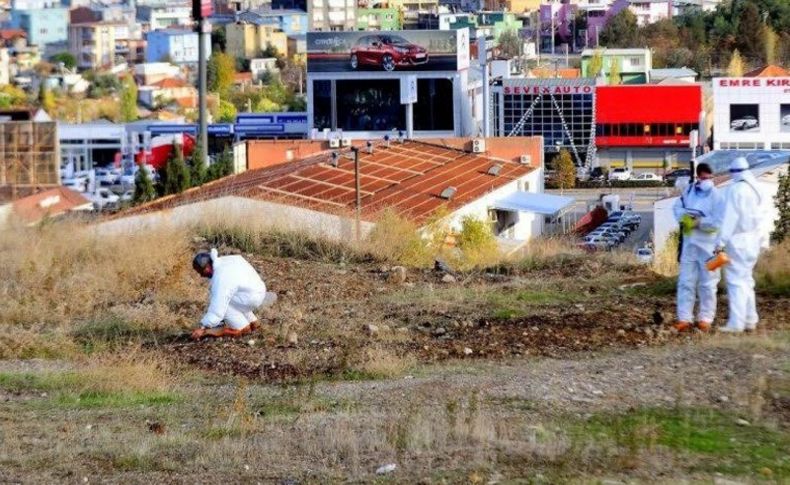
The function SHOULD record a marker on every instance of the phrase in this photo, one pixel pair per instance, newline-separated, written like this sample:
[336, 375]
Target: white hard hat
[739, 163]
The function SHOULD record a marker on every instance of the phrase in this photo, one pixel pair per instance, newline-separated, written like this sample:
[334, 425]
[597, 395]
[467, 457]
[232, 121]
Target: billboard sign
[388, 51]
[202, 9]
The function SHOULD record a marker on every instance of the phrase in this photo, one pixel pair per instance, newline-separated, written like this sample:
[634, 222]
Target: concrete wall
[249, 212]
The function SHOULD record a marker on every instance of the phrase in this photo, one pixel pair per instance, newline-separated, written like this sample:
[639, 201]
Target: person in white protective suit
[739, 237]
[697, 211]
[236, 291]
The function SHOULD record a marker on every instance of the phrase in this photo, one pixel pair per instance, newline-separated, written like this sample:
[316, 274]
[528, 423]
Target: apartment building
[93, 43]
[249, 40]
[326, 15]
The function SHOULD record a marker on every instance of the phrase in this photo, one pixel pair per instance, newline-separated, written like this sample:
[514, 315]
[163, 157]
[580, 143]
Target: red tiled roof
[11, 34]
[407, 178]
[242, 77]
[170, 83]
[52, 202]
[768, 71]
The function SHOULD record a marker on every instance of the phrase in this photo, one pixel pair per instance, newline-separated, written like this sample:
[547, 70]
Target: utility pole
[203, 27]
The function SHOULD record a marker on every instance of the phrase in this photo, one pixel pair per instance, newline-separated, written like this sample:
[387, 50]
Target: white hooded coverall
[740, 237]
[698, 246]
[236, 290]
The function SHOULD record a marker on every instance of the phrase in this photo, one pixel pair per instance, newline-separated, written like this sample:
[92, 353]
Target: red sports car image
[387, 52]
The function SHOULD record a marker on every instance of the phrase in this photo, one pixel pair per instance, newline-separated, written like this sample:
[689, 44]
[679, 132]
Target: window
[434, 107]
[635, 61]
[370, 105]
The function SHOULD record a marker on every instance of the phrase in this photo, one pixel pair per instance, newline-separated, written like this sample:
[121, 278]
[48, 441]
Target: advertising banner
[388, 51]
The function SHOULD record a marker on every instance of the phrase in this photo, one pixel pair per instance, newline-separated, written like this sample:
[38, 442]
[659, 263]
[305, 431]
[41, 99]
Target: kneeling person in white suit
[236, 291]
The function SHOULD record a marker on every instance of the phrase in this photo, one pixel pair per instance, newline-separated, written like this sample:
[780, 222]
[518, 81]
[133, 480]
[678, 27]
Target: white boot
[729, 329]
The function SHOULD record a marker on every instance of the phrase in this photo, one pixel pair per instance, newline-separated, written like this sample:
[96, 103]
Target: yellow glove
[688, 223]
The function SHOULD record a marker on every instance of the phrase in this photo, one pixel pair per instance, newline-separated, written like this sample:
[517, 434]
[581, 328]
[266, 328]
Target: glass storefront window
[434, 108]
[322, 104]
[370, 105]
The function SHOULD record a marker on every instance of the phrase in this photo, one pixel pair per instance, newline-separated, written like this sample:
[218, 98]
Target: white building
[765, 165]
[332, 15]
[650, 11]
[164, 16]
[91, 144]
[5, 67]
[751, 113]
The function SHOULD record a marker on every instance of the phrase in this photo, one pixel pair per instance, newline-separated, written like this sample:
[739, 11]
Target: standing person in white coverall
[739, 237]
[236, 290]
[697, 210]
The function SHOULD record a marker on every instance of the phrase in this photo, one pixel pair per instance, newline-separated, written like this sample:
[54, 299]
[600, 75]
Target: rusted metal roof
[407, 178]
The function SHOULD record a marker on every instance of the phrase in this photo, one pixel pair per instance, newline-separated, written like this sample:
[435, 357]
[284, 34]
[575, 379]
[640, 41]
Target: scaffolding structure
[29, 158]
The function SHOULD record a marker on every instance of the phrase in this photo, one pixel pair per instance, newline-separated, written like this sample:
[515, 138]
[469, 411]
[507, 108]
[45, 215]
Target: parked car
[103, 199]
[77, 184]
[673, 176]
[127, 196]
[620, 173]
[108, 176]
[644, 255]
[127, 179]
[387, 52]
[744, 123]
[786, 120]
[647, 177]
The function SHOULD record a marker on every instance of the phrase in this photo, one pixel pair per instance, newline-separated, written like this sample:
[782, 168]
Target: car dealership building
[365, 85]
[751, 113]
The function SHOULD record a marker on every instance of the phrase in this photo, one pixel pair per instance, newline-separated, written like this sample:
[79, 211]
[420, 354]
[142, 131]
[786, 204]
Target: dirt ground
[328, 314]
[564, 373]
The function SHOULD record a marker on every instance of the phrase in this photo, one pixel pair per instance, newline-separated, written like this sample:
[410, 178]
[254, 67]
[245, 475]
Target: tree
[620, 31]
[12, 96]
[614, 73]
[129, 100]
[218, 38]
[221, 70]
[509, 44]
[198, 171]
[222, 166]
[143, 187]
[749, 33]
[770, 43]
[679, 57]
[735, 67]
[270, 51]
[566, 170]
[46, 99]
[176, 172]
[782, 201]
[226, 112]
[596, 64]
[65, 58]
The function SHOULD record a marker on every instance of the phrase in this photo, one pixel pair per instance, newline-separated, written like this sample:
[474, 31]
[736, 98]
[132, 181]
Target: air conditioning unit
[334, 143]
[478, 145]
[525, 159]
[346, 142]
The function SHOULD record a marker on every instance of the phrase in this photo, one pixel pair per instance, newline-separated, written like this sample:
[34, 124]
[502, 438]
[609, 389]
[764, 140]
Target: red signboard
[646, 115]
[202, 9]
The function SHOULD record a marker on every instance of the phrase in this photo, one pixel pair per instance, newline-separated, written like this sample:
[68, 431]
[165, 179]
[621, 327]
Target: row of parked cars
[613, 232]
[112, 187]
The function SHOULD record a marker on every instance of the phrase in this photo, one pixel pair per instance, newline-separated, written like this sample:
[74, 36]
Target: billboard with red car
[388, 51]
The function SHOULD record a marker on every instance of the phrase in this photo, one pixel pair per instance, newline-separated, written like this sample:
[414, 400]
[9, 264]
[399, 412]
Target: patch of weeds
[715, 438]
[662, 287]
[513, 403]
[32, 381]
[506, 314]
[518, 304]
[356, 375]
[92, 399]
[110, 331]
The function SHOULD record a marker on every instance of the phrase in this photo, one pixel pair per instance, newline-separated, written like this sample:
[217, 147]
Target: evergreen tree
[735, 67]
[614, 73]
[129, 100]
[596, 64]
[198, 171]
[749, 33]
[46, 99]
[782, 201]
[222, 166]
[176, 172]
[770, 43]
[143, 187]
[566, 170]
[621, 31]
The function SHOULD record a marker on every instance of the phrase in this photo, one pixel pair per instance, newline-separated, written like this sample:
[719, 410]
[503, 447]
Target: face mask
[705, 185]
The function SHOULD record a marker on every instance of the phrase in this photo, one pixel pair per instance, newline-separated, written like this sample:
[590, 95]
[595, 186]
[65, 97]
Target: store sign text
[548, 90]
[754, 83]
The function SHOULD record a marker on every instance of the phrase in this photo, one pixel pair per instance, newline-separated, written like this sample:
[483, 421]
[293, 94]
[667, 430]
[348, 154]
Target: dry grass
[57, 273]
[379, 362]
[665, 262]
[773, 270]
